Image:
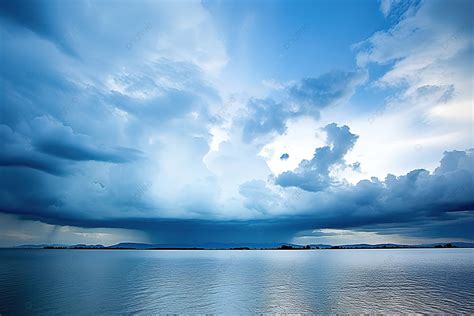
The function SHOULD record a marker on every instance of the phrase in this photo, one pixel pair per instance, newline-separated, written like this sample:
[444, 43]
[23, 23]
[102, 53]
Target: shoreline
[225, 249]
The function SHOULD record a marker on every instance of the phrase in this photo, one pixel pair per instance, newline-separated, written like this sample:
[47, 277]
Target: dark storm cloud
[57, 140]
[447, 194]
[15, 151]
[72, 151]
[31, 160]
[50, 138]
[459, 226]
[313, 175]
[419, 204]
[85, 139]
[37, 16]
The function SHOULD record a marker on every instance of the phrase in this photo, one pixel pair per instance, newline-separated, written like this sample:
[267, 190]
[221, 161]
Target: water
[315, 281]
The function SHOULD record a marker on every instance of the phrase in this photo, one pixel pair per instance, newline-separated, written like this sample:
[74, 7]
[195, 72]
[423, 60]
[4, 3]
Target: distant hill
[369, 246]
[208, 245]
[60, 246]
[457, 244]
[320, 246]
[39, 246]
[213, 245]
[386, 246]
[130, 245]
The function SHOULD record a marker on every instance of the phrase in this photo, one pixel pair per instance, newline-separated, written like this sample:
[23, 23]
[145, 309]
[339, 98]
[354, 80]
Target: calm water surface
[312, 281]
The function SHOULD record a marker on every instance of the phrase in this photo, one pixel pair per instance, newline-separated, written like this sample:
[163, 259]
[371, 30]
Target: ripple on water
[352, 281]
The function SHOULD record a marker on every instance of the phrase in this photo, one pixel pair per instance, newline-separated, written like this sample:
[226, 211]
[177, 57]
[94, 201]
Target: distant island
[248, 246]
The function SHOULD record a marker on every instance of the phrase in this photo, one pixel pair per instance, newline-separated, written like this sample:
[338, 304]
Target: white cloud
[428, 53]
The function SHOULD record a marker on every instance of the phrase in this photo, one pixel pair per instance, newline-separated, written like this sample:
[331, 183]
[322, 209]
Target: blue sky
[236, 121]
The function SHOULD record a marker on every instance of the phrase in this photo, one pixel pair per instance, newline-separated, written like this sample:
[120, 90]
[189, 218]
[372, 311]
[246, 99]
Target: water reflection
[319, 281]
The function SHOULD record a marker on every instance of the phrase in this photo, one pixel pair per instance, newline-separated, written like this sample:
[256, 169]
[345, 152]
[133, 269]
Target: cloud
[14, 232]
[454, 160]
[388, 207]
[110, 125]
[266, 201]
[433, 34]
[121, 131]
[314, 94]
[37, 16]
[16, 151]
[53, 138]
[397, 205]
[422, 66]
[264, 117]
[386, 6]
[304, 98]
[397, 8]
[313, 175]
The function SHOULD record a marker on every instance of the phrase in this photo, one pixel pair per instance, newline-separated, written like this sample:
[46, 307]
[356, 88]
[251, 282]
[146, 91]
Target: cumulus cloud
[313, 175]
[314, 94]
[395, 205]
[264, 117]
[304, 98]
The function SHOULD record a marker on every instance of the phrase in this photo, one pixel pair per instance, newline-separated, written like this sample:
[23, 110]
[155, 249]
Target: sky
[236, 121]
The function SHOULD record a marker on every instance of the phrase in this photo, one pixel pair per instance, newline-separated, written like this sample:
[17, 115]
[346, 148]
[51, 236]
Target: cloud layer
[313, 175]
[117, 117]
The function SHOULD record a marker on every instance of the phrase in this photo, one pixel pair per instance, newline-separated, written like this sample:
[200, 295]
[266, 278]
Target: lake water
[311, 281]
